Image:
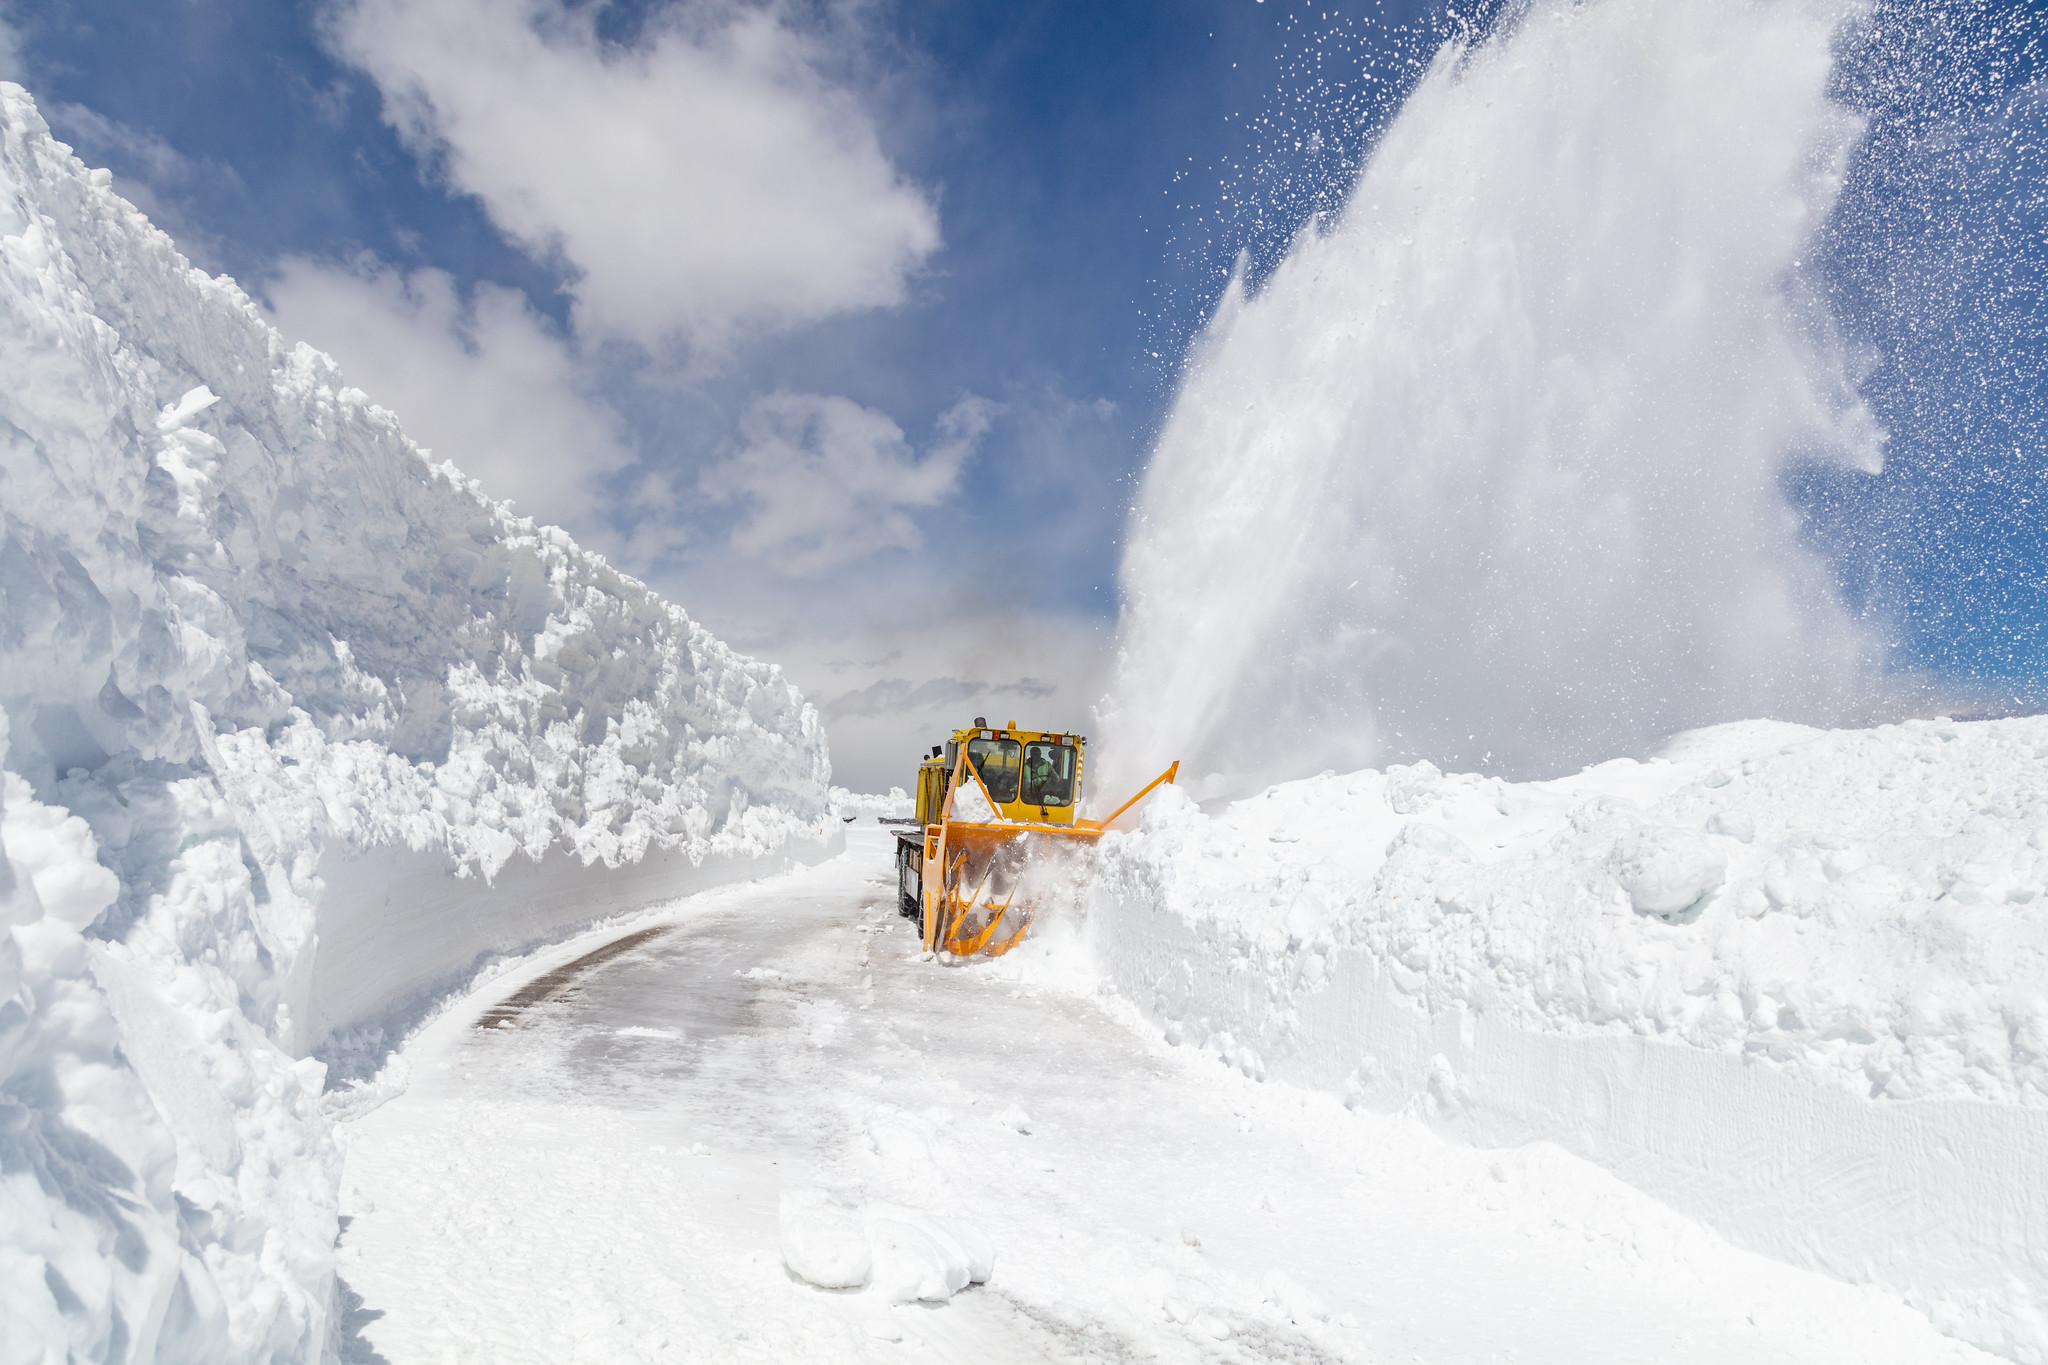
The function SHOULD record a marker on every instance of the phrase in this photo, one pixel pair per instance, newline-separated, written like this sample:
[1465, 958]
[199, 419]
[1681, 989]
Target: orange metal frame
[953, 847]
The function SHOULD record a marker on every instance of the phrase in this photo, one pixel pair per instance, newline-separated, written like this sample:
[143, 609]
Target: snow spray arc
[1488, 469]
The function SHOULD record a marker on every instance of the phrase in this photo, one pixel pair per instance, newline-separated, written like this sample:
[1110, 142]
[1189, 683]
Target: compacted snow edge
[1792, 982]
[298, 728]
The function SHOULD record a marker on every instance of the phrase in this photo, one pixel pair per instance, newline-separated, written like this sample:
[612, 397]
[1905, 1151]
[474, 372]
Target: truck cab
[1031, 775]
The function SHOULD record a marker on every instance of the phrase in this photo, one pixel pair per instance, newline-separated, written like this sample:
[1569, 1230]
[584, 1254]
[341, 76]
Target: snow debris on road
[300, 727]
[904, 1255]
[1761, 976]
[824, 1240]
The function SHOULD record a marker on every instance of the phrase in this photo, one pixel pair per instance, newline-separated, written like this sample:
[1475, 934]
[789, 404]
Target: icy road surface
[586, 1163]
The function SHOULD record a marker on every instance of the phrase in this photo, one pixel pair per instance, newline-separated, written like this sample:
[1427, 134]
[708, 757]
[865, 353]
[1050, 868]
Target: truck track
[562, 982]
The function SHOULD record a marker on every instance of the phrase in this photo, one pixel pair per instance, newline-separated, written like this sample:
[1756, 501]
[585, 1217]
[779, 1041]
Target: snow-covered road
[586, 1161]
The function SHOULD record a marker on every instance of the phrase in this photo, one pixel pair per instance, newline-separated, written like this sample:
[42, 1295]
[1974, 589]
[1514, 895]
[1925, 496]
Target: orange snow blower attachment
[962, 875]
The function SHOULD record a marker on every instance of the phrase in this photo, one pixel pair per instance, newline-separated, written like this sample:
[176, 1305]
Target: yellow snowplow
[959, 873]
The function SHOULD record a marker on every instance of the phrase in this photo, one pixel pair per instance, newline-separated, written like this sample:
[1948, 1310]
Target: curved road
[586, 1162]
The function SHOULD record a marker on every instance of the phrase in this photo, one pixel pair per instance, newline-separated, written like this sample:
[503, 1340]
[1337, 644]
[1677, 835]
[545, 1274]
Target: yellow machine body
[1030, 775]
[960, 879]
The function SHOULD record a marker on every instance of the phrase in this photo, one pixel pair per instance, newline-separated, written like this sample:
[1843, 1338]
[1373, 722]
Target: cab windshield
[1048, 775]
[998, 761]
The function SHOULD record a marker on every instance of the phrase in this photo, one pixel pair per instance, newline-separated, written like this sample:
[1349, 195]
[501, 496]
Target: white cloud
[98, 139]
[489, 385]
[894, 665]
[11, 64]
[894, 696]
[828, 481]
[704, 183]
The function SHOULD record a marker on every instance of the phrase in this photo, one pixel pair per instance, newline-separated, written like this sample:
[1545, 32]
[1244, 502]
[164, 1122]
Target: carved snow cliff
[299, 726]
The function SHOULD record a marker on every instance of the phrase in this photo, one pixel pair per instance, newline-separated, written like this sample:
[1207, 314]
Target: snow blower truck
[960, 873]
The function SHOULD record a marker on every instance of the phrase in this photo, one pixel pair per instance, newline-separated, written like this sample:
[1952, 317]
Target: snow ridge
[256, 645]
[1762, 976]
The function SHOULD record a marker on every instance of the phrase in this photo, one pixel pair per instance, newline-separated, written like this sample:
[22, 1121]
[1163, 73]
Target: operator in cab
[1048, 775]
[1037, 775]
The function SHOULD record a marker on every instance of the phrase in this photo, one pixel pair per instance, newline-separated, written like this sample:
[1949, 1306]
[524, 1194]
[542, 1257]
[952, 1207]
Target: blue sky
[954, 289]
[1935, 265]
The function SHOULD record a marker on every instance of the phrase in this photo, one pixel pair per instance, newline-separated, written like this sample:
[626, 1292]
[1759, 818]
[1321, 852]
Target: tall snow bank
[1794, 982]
[166, 1179]
[300, 725]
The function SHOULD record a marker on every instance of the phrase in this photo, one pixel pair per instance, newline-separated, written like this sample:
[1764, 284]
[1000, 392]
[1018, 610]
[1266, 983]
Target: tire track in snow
[563, 981]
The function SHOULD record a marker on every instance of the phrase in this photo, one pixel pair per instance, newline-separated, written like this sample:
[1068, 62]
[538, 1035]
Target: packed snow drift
[299, 725]
[1792, 982]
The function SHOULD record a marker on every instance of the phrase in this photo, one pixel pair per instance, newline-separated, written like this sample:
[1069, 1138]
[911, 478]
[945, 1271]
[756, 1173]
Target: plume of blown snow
[1488, 470]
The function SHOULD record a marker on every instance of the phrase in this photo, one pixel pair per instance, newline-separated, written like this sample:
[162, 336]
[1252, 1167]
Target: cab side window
[1048, 775]
[999, 762]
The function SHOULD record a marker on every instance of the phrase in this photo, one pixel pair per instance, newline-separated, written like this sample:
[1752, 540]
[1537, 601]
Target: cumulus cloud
[706, 182]
[827, 481]
[894, 696]
[487, 383]
[98, 138]
[954, 654]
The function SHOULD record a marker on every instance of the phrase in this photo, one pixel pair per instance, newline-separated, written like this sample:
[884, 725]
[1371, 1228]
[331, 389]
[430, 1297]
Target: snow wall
[1792, 982]
[297, 726]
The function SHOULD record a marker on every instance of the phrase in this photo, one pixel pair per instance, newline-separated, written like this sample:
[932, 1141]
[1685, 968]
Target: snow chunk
[1667, 871]
[921, 1256]
[58, 853]
[1295, 1303]
[1733, 824]
[903, 1255]
[824, 1241]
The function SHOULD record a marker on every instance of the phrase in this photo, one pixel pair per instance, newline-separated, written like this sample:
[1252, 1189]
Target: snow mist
[1488, 470]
